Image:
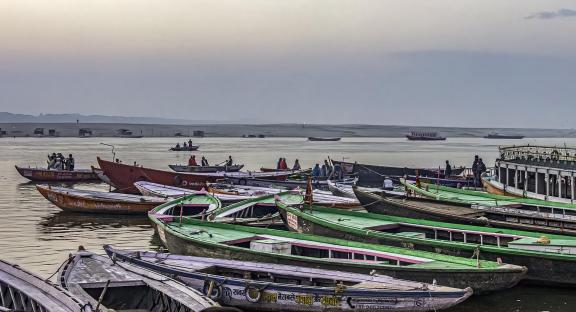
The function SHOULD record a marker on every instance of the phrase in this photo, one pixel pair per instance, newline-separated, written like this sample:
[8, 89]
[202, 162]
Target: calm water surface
[39, 237]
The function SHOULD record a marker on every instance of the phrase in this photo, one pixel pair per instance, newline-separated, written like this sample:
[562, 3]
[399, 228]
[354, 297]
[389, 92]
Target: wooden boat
[344, 189]
[124, 176]
[258, 211]
[45, 175]
[256, 286]
[166, 191]
[109, 285]
[374, 175]
[459, 195]
[317, 139]
[434, 210]
[185, 149]
[424, 136]
[554, 215]
[185, 168]
[495, 135]
[101, 176]
[264, 169]
[317, 184]
[322, 198]
[24, 291]
[209, 239]
[75, 200]
[549, 262]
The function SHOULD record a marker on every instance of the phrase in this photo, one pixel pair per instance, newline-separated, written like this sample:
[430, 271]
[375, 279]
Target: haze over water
[39, 236]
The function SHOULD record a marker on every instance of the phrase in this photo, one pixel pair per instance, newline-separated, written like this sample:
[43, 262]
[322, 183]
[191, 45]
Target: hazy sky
[427, 62]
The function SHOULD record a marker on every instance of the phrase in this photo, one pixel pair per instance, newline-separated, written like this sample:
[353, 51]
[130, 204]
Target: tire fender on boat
[217, 290]
[177, 180]
[242, 181]
[252, 288]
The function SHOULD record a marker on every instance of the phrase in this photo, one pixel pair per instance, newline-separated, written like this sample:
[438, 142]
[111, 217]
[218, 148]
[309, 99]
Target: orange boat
[124, 176]
[98, 202]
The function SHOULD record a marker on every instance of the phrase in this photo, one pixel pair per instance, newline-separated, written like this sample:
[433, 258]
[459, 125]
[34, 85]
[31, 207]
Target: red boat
[46, 175]
[124, 176]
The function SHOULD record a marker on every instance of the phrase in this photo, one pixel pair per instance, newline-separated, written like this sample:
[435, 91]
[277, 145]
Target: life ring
[249, 289]
[184, 183]
[216, 290]
[242, 181]
[555, 155]
[177, 180]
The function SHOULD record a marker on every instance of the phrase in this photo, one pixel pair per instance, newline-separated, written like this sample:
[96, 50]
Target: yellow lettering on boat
[304, 299]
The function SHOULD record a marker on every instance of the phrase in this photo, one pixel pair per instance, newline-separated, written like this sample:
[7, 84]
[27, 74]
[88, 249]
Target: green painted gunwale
[461, 196]
[426, 241]
[201, 199]
[287, 197]
[227, 232]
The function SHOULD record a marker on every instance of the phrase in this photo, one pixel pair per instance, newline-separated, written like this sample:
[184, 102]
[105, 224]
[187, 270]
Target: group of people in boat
[57, 161]
[184, 145]
[204, 162]
[327, 171]
[478, 167]
[283, 165]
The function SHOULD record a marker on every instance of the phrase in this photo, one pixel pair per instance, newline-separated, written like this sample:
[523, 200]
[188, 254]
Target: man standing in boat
[475, 171]
[204, 161]
[448, 170]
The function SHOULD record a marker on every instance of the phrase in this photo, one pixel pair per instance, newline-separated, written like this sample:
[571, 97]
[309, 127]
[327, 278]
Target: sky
[479, 63]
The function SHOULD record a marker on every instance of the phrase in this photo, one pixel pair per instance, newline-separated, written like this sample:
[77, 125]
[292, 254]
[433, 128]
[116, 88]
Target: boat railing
[527, 213]
[538, 153]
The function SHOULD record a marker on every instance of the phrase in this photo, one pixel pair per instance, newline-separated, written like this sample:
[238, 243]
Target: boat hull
[542, 268]
[44, 175]
[184, 168]
[293, 297]
[69, 202]
[481, 282]
[378, 204]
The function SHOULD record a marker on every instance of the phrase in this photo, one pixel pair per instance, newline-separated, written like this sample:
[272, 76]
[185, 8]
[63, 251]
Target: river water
[38, 236]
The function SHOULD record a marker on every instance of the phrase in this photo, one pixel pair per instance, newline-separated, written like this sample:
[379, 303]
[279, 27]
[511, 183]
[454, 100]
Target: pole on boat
[102, 294]
[181, 213]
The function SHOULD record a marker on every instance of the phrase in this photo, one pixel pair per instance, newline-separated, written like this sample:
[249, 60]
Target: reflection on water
[39, 236]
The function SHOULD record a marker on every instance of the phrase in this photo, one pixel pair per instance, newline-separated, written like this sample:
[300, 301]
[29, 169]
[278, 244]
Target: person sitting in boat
[336, 173]
[184, 145]
[70, 163]
[177, 146]
[58, 164]
[448, 170]
[229, 162]
[316, 171]
[192, 161]
[283, 165]
[204, 161]
[296, 166]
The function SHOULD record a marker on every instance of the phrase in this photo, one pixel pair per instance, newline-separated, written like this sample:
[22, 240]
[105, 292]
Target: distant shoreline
[267, 130]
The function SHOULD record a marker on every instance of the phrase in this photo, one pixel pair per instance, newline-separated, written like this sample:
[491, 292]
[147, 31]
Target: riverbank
[268, 130]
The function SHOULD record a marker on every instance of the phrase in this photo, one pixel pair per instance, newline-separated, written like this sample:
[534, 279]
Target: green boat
[261, 211]
[550, 259]
[516, 217]
[458, 195]
[194, 237]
